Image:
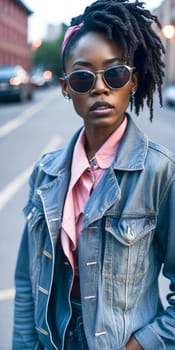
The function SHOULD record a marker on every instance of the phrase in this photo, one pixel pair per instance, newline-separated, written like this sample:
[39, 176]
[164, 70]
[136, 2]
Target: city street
[27, 130]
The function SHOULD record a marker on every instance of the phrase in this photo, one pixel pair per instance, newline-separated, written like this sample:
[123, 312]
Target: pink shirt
[84, 177]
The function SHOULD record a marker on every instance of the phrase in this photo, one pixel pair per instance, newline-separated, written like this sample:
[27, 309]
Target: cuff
[149, 339]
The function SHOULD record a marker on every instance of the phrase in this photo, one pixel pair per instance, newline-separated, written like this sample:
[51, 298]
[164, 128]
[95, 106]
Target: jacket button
[129, 237]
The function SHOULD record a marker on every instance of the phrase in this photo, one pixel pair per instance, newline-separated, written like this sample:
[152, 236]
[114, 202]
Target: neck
[96, 137]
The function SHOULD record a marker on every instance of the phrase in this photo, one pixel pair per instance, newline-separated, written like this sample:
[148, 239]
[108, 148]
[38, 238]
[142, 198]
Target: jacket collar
[132, 150]
[130, 156]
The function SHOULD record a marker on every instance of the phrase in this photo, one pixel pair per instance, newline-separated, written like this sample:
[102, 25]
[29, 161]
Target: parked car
[15, 83]
[169, 95]
[41, 77]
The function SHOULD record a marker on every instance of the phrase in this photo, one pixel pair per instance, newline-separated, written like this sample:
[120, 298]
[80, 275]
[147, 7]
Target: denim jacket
[128, 234]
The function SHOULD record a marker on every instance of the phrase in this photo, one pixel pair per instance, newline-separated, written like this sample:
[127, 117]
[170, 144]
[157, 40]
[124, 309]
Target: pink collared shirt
[84, 178]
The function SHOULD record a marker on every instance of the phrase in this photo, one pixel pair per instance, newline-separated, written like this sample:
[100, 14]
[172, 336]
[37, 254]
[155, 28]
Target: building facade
[166, 15]
[14, 48]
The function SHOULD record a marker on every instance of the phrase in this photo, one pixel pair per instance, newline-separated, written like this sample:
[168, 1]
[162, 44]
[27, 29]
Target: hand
[133, 344]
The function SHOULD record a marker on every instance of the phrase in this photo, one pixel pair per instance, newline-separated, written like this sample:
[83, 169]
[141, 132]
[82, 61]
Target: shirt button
[93, 163]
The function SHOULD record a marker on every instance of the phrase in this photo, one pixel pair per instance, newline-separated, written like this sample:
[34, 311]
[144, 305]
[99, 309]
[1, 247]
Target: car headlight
[15, 81]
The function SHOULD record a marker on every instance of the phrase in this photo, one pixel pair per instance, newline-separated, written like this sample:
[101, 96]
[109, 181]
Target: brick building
[14, 48]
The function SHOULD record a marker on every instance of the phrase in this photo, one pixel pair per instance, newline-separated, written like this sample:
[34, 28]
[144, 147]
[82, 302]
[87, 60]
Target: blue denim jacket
[128, 234]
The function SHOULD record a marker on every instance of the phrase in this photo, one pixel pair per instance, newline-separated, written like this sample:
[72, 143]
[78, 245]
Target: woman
[100, 216]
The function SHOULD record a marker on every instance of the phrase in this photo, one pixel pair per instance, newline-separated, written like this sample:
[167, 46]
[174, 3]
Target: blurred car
[41, 77]
[15, 83]
[169, 95]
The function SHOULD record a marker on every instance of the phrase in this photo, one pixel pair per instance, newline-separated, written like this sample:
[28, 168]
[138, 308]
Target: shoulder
[50, 157]
[45, 168]
[161, 156]
[161, 151]
[161, 162]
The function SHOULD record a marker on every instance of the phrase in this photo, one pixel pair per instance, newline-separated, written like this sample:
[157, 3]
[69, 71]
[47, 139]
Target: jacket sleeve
[160, 334]
[24, 332]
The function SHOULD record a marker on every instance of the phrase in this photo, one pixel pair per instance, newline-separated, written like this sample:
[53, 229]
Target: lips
[100, 106]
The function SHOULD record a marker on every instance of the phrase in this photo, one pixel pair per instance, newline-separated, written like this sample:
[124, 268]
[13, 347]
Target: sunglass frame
[94, 74]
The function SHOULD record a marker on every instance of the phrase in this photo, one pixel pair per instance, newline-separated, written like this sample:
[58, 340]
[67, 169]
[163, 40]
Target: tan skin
[96, 52]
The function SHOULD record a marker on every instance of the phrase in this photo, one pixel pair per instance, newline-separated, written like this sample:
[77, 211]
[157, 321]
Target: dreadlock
[130, 24]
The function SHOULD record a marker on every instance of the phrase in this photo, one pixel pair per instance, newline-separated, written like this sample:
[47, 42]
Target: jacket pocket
[128, 257]
[128, 230]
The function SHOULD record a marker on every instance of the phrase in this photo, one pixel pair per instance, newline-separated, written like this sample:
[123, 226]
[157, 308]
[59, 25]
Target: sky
[57, 11]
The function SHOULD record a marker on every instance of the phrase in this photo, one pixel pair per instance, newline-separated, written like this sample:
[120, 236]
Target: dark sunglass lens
[81, 81]
[117, 77]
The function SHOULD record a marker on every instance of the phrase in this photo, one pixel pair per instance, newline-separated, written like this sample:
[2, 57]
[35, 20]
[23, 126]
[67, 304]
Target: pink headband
[69, 32]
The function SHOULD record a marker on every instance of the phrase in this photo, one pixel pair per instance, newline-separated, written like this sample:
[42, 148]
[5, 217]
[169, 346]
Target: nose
[99, 86]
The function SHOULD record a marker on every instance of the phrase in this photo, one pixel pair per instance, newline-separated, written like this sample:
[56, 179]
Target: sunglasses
[116, 77]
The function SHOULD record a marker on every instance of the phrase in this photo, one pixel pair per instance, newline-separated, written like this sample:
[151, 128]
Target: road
[28, 130]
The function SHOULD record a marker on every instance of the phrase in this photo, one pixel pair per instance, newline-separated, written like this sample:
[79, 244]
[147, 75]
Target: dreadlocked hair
[130, 24]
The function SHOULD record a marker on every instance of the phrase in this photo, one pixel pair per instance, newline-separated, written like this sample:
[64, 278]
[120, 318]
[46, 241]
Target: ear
[134, 81]
[63, 85]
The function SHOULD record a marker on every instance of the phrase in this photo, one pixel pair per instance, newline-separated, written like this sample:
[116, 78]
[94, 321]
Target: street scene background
[27, 130]
[31, 34]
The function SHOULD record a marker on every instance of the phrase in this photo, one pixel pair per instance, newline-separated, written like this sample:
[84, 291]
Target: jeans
[75, 337]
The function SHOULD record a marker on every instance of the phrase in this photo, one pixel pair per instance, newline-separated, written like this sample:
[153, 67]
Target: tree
[48, 54]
